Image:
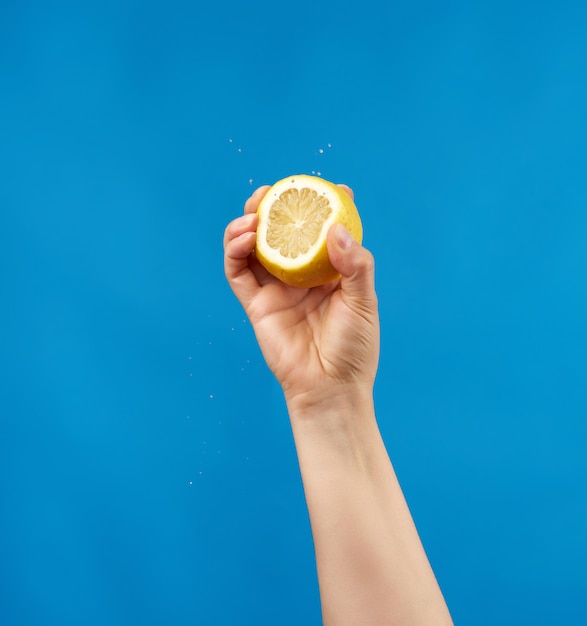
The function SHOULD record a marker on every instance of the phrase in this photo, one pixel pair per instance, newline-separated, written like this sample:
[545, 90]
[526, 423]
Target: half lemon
[294, 218]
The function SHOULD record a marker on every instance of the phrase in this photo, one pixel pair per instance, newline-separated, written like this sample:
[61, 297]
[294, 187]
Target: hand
[316, 341]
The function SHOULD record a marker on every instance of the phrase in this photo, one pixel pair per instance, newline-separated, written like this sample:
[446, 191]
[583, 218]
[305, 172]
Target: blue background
[147, 469]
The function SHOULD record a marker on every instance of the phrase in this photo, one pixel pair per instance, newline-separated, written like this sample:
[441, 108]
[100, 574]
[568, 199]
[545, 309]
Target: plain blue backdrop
[147, 469]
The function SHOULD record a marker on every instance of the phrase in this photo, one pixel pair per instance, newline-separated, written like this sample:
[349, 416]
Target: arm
[372, 568]
[322, 344]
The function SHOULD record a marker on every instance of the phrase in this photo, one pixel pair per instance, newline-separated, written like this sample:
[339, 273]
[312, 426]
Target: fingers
[244, 273]
[239, 242]
[239, 226]
[252, 203]
[357, 267]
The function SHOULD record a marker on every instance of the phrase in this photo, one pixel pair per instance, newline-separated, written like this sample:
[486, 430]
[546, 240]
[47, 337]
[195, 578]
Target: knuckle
[366, 262]
[227, 235]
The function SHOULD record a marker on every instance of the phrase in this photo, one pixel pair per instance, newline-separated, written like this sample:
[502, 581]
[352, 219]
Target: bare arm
[322, 344]
[372, 568]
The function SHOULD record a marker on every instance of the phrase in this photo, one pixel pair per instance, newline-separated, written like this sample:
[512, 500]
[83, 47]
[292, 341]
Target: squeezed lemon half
[294, 218]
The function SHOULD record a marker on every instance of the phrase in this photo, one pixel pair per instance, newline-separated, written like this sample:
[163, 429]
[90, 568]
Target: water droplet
[318, 173]
[191, 483]
[330, 145]
[239, 149]
[321, 151]
[230, 140]
[211, 396]
[250, 181]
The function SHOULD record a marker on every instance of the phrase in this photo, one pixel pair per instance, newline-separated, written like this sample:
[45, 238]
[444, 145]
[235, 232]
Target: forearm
[372, 568]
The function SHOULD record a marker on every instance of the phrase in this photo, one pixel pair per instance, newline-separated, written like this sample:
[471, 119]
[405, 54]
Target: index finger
[252, 203]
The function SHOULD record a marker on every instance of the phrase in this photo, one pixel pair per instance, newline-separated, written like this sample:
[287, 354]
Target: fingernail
[343, 237]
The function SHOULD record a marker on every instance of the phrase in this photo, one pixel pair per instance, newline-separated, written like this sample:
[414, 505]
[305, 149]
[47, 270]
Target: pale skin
[322, 344]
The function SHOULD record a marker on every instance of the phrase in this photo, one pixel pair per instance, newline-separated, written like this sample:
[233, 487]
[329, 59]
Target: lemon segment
[294, 218]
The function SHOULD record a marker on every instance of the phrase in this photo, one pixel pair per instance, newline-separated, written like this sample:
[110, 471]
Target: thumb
[356, 265]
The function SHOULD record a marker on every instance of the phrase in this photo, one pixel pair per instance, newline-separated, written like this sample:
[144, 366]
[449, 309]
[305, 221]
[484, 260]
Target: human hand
[316, 341]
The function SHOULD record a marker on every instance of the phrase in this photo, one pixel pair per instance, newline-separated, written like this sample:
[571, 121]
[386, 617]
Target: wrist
[335, 430]
[330, 401]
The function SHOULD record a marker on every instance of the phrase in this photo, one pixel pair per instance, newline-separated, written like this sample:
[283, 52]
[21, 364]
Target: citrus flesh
[294, 218]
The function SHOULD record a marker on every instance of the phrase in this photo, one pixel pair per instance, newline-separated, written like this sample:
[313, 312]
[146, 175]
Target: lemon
[294, 218]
